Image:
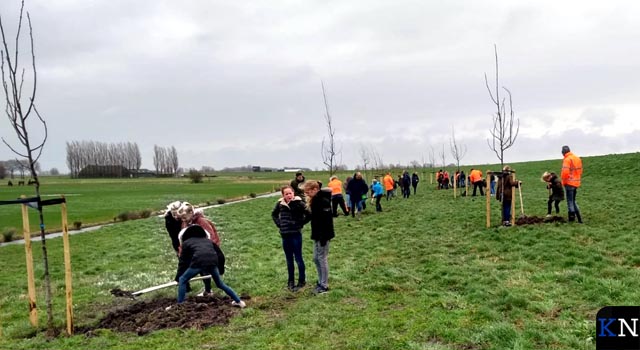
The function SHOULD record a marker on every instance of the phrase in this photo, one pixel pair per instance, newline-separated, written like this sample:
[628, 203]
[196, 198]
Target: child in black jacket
[319, 205]
[556, 191]
[290, 216]
[200, 253]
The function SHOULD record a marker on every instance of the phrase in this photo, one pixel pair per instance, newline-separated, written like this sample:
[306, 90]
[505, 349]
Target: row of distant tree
[81, 154]
[12, 168]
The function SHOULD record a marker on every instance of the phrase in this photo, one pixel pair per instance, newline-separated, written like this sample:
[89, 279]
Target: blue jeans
[506, 210]
[292, 246]
[493, 187]
[572, 192]
[215, 275]
[356, 203]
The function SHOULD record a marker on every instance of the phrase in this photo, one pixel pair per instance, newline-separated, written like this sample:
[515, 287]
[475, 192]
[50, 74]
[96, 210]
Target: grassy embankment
[424, 274]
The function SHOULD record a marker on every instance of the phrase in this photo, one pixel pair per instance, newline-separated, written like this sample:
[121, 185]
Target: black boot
[291, 286]
[299, 286]
[572, 216]
[579, 217]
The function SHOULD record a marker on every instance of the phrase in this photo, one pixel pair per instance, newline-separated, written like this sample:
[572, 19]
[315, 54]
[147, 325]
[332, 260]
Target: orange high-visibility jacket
[336, 187]
[475, 175]
[571, 170]
[388, 182]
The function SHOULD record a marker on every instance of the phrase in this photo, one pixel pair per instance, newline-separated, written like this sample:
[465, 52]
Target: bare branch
[502, 133]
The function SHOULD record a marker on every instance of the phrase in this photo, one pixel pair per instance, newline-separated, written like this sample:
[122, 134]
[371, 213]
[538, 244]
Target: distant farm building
[143, 173]
[93, 171]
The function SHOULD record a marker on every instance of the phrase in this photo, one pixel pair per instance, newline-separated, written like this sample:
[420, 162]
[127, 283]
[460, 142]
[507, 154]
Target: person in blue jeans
[504, 191]
[289, 215]
[199, 251]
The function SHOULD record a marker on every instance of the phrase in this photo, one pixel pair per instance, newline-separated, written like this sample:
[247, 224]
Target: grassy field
[93, 201]
[424, 274]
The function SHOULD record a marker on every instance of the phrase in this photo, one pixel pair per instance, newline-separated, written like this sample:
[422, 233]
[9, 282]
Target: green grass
[424, 274]
[92, 201]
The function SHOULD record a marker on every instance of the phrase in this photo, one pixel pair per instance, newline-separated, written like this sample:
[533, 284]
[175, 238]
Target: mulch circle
[146, 316]
[529, 220]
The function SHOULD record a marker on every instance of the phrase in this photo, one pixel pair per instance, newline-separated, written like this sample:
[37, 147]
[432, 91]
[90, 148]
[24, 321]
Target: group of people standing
[197, 242]
[312, 204]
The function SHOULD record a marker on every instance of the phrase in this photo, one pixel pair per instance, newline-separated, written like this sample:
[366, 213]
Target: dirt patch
[147, 316]
[529, 220]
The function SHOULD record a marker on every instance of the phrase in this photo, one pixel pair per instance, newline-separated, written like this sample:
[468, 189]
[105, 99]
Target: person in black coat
[556, 191]
[406, 184]
[296, 184]
[319, 205]
[414, 182]
[173, 224]
[357, 189]
[200, 253]
[289, 215]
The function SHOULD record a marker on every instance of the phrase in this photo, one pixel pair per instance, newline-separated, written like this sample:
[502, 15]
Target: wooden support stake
[454, 186]
[488, 196]
[31, 284]
[67, 269]
[513, 202]
[466, 187]
[431, 178]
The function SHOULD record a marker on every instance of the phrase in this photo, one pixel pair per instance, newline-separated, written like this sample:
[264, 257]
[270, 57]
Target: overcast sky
[232, 83]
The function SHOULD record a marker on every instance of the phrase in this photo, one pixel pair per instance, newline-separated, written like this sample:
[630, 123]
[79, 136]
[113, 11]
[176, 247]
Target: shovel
[521, 203]
[133, 295]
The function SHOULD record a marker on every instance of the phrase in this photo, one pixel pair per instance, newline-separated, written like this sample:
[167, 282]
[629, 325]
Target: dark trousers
[478, 184]
[378, 205]
[415, 186]
[406, 191]
[292, 246]
[338, 201]
[557, 205]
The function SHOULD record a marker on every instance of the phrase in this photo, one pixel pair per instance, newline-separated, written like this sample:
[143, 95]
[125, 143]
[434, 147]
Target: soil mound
[529, 220]
[147, 316]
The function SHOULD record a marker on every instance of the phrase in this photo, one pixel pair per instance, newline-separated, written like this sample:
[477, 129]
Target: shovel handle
[521, 203]
[168, 284]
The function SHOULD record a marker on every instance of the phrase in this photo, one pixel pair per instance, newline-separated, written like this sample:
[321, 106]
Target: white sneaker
[240, 304]
[548, 216]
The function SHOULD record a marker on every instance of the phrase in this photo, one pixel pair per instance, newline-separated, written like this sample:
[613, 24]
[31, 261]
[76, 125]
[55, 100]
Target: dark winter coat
[357, 188]
[406, 180]
[173, 227]
[197, 249]
[295, 184]
[290, 218]
[322, 216]
[506, 190]
[557, 191]
[415, 179]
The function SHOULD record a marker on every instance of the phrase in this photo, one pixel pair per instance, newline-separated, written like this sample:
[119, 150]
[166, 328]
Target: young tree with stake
[21, 111]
